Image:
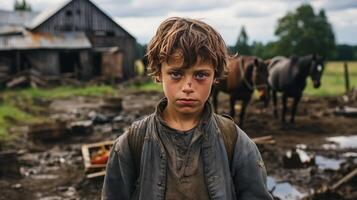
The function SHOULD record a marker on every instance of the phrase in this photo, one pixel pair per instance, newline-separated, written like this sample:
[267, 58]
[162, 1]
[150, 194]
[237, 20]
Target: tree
[302, 32]
[345, 52]
[242, 46]
[22, 6]
[263, 51]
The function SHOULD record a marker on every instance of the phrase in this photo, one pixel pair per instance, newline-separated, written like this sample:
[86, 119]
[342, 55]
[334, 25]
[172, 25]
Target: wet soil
[55, 170]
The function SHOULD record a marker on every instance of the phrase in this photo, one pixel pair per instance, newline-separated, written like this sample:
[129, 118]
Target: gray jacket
[244, 180]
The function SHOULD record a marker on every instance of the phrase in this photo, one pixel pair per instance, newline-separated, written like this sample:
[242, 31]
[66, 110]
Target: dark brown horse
[289, 75]
[245, 74]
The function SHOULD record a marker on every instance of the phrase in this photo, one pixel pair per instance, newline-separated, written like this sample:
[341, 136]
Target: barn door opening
[97, 60]
[69, 62]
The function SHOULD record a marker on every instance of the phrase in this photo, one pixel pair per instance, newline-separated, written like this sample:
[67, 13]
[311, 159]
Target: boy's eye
[201, 75]
[175, 75]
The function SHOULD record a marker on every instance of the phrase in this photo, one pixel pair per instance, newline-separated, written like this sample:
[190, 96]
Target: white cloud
[142, 17]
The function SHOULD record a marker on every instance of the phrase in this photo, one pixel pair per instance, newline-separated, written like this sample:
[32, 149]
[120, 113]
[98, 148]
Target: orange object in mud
[100, 160]
[100, 157]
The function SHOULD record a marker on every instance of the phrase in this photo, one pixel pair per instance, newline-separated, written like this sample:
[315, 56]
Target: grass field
[333, 80]
[13, 103]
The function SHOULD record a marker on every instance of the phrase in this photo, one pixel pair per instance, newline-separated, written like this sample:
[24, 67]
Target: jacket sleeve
[119, 181]
[248, 170]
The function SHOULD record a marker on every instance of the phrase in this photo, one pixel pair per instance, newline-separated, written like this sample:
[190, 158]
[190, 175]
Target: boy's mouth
[186, 102]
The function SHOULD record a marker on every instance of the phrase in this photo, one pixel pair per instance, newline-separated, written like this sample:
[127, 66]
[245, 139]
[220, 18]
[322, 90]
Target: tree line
[300, 32]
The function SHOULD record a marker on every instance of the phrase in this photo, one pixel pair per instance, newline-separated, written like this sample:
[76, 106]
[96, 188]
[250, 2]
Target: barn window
[99, 33]
[110, 33]
[68, 13]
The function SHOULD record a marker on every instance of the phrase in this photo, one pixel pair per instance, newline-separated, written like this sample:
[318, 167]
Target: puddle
[350, 155]
[328, 163]
[284, 190]
[343, 142]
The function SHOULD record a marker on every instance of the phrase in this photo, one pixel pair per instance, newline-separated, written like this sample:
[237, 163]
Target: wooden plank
[97, 174]
[345, 179]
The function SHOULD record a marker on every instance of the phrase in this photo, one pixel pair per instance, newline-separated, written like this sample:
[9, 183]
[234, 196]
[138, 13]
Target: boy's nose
[187, 88]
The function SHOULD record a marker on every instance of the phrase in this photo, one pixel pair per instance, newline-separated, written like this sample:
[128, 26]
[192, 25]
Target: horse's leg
[242, 112]
[294, 108]
[284, 101]
[275, 100]
[232, 103]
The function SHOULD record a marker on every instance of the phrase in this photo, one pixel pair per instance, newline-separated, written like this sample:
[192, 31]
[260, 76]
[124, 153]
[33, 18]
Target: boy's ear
[158, 78]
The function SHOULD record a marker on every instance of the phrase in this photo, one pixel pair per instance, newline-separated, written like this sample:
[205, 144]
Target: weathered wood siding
[83, 15]
[45, 61]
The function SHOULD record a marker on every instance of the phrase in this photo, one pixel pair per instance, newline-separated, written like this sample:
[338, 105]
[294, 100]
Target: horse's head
[260, 79]
[316, 69]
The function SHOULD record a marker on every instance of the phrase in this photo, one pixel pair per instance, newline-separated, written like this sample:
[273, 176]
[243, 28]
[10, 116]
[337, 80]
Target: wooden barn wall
[125, 44]
[112, 65]
[84, 17]
[101, 31]
[6, 62]
[86, 65]
[45, 61]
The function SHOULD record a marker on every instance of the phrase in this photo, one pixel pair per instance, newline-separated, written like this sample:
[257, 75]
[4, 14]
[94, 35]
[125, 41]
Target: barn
[75, 38]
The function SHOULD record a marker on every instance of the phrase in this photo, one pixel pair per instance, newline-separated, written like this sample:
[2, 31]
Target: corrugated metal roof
[44, 15]
[22, 18]
[11, 29]
[30, 40]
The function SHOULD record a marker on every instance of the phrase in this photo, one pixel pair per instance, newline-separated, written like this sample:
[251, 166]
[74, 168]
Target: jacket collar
[205, 118]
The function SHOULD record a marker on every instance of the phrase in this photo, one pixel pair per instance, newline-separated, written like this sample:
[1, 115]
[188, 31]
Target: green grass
[147, 86]
[10, 114]
[61, 92]
[333, 81]
[17, 106]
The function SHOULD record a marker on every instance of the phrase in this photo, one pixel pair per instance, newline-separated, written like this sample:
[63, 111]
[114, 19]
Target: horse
[245, 74]
[289, 75]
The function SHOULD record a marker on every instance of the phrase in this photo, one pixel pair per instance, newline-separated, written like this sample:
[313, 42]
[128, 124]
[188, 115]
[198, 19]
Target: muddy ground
[51, 170]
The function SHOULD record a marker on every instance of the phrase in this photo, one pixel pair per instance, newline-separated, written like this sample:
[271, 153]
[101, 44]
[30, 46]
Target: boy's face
[188, 89]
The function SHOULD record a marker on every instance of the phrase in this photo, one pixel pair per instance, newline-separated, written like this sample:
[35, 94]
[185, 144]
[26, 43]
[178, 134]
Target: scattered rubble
[69, 164]
[9, 165]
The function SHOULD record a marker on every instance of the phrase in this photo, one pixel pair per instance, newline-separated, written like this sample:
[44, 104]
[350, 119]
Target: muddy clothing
[185, 176]
[245, 179]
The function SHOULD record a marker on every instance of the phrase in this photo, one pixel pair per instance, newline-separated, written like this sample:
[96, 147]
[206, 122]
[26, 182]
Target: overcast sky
[142, 17]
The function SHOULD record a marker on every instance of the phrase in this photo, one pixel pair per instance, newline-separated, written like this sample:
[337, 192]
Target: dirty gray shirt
[185, 176]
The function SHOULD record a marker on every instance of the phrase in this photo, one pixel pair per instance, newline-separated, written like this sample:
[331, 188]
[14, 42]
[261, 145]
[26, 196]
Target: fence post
[347, 81]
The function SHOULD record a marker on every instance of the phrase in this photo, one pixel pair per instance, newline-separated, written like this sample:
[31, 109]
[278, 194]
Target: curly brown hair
[193, 39]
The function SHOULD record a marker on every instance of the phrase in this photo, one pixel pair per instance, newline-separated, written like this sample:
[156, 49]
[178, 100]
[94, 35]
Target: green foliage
[346, 52]
[264, 51]
[22, 6]
[302, 32]
[242, 47]
[141, 50]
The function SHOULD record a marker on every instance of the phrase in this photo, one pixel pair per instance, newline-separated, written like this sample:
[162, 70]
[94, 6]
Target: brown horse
[245, 74]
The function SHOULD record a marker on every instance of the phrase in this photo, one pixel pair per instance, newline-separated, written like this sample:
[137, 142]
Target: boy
[184, 150]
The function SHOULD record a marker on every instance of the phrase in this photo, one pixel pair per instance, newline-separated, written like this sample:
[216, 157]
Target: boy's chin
[188, 110]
